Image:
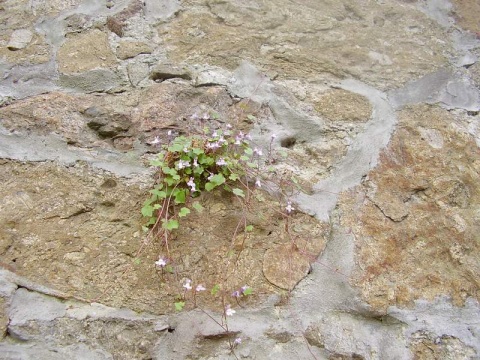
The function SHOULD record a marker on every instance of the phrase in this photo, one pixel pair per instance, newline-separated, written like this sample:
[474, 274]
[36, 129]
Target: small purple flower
[236, 294]
[239, 138]
[229, 311]
[161, 262]
[155, 141]
[229, 126]
[248, 137]
[188, 284]
[200, 287]
[221, 162]
[238, 341]
[289, 207]
[258, 151]
[214, 145]
[191, 183]
[182, 164]
[258, 183]
[244, 288]
[215, 134]
[195, 163]
[273, 136]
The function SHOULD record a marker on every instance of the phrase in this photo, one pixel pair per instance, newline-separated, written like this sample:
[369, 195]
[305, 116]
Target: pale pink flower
[229, 311]
[188, 284]
[289, 207]
[161, 262]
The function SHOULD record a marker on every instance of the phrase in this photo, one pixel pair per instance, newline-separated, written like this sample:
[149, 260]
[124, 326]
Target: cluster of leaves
[190, 165]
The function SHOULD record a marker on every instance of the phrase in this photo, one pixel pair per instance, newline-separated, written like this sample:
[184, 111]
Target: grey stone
[137, 71]
[466, 60]
[39, 351]
[20, 39]
[163, 72]
[444, 86]
[161, 9]
[212, 76]
[91, 81]
[40, 148]
[27, 306]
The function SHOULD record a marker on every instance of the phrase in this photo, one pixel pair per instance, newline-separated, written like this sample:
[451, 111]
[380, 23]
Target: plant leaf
[248, 291]
[249, 228]
[170, 224]
[215, 289]
[209, 186]
[238, 192]
[197, 206]
[147, 210]
[179, 305]
[180, 195]
[184, 212]
[248, 151]
[217, 179]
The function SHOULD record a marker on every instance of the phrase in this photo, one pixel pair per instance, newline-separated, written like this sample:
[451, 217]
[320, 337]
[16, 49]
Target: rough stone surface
[284, 266]
[368, 114]
[415, 216]
[130, 49]
[20, 39]
[85, 51]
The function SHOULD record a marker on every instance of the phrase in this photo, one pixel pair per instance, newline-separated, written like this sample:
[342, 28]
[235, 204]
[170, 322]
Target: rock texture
[375, 107]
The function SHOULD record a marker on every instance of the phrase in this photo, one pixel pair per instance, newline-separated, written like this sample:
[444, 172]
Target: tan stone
[417, 229]
[284, 266]
[3, 318]
[130, 49]
[342, 105]
[427, 346]
[37, 52]
[308, 40]
[466, 14]
[85, 51]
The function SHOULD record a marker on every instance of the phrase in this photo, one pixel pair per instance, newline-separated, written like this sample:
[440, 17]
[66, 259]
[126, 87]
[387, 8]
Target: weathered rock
[428, 346]
[3, 318]
[84, 52]
[340, 43]
[161, 10]
[106, 333]
[107, 126]
[420, 218]
[163, 72]
[137, 72]
[99, 80]
[464, 12]
[284, 266]
[330, 79]
[76, 23]
[118, 22]
[17, 51]
[130, 49]
[341, 105]
[20, 39]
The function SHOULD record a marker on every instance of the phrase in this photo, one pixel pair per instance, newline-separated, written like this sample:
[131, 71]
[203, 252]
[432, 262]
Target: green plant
[191, 165]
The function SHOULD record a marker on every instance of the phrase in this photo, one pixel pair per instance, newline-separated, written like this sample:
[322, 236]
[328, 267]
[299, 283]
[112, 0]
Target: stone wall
[375, 105]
